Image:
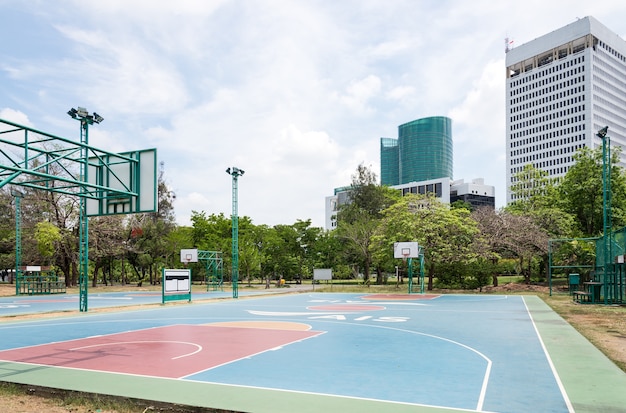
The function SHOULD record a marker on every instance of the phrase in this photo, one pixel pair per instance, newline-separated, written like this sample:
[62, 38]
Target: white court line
[568, 403]
[198, 346]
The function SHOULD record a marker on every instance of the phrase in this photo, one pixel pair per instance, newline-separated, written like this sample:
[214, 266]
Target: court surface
[312, 352]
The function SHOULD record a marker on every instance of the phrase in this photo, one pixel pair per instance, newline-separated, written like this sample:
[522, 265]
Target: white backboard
[134, 172]
[188, 255]
[405, 250]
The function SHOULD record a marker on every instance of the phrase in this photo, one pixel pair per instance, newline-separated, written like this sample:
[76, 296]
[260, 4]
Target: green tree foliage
[357, 220]
[147, 243]
[7, 230]
[445, 234]
[47, 236]
[581, 191]
[106, 246]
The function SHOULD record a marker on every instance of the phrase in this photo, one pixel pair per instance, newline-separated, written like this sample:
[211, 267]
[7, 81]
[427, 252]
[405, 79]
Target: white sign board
[323, 274]
[177, 281]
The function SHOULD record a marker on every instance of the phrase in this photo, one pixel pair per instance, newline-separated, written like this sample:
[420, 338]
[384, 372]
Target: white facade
[474, 187]
[442, 188]
[562, 88]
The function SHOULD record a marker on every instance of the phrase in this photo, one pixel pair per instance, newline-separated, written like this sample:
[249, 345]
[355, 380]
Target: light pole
[18, 195]
[606, 208]
[235, 173]
[85, 120]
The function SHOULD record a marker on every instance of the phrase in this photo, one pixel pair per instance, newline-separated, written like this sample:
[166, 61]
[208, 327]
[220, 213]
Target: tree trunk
[96, 268]
[431, 275]
[379, 276]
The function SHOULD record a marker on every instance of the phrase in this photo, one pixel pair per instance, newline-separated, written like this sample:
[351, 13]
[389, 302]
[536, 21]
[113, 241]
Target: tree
[357, 220]
[148, 233]
[444, 234]
[582, 195]
[106, 245]
[514, 235]
[47, 236]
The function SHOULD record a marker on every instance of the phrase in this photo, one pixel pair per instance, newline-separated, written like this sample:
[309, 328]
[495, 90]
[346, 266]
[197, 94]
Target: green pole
[83, 273]
[410, 267]
[606, 209]
[18, 238]
[85, 120]
[235, 173]
[421, 273]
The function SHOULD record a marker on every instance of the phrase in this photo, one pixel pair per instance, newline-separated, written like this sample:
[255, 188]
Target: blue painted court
[322, 351]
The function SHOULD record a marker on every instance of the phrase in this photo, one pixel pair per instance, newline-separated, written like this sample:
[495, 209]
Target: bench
[582, 296]
[44, 287]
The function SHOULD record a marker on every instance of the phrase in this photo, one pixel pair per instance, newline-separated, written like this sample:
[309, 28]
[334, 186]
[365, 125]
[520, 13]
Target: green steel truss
[38, 160]
[214, 269]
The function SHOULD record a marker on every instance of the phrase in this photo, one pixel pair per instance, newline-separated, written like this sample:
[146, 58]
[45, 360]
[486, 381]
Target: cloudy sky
[297, 93]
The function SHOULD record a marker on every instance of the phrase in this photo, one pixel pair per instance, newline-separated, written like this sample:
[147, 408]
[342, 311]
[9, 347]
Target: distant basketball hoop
[405, 250]
[188, 255]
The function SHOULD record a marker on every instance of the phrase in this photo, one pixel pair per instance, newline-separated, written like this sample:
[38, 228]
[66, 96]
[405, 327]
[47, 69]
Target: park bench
[582, 296]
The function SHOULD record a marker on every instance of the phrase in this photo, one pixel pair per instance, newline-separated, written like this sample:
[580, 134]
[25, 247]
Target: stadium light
[235, 173]
[82, 115]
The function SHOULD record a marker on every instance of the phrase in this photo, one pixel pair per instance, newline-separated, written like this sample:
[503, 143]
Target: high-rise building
[389, 162]
[562, 88]
[423, 151]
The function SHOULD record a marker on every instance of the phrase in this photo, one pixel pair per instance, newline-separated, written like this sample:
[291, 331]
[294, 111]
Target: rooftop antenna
[508, 44]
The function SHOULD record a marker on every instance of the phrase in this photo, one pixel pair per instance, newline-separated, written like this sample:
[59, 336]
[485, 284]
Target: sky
[297, 93]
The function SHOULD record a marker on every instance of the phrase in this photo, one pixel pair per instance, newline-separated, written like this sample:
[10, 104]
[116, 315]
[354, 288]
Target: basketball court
[314, 352]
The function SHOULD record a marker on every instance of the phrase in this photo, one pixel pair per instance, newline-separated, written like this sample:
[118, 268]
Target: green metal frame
[551, 242]
[235, 173]
[421, 272]
[18, 240]
[214, 269]
[47, 162]
[613, 276]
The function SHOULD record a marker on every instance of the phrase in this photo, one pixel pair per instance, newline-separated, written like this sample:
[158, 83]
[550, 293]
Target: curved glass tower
[425, 149]
[389, 162]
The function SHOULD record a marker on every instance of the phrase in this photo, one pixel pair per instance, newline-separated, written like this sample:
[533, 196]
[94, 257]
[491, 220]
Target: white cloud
[358, 94]
[295, 93]
[15, 116]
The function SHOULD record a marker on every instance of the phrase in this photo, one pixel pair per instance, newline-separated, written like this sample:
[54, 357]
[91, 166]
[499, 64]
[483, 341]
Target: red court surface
[173, 351]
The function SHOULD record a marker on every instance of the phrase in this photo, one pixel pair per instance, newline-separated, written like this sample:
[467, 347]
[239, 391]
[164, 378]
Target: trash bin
[574, 282]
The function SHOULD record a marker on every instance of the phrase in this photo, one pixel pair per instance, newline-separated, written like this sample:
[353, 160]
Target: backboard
[127, 182]
[405, 250]
[188, 255]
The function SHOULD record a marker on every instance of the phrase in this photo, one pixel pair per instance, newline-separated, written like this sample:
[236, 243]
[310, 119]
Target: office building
[423, 151]
[562, 88]
[475, 193]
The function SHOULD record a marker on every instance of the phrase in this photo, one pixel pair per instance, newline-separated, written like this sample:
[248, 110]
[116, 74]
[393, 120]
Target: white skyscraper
[561, 88]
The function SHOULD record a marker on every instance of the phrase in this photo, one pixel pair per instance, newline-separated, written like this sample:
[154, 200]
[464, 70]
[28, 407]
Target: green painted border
[592, 382]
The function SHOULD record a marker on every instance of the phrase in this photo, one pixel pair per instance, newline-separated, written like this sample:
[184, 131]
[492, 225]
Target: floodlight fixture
[82, 112]
[234, 171]
[83, 115]
[602, 132]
